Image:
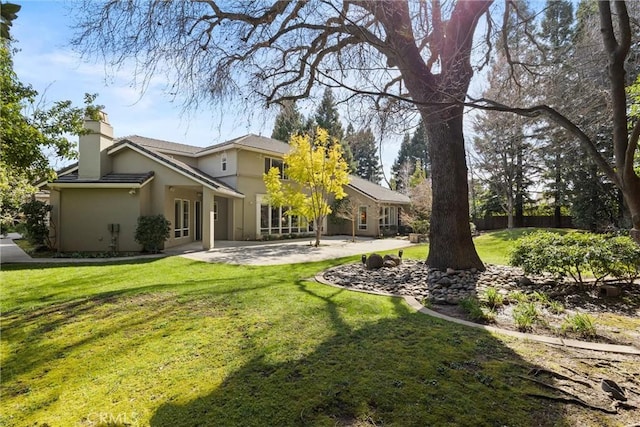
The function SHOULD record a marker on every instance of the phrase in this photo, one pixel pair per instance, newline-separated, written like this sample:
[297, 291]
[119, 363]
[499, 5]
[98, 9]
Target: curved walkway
[585, 345]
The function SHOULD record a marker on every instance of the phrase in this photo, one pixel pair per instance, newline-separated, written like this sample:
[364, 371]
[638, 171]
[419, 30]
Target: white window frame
[302, 227]
[388, 217]
[223, 162]
[215, 211]
[181, 218]
[361, 225]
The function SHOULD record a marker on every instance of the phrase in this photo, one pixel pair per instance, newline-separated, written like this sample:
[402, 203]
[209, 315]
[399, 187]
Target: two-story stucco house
[208, 193]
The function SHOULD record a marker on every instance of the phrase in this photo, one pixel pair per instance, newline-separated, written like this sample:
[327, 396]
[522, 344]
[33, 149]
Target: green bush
[473, 308]
[36, 216]
[493, 298]
[575, 254]
[580, 323]
[152, 231]
[525, 315]
[619, 257]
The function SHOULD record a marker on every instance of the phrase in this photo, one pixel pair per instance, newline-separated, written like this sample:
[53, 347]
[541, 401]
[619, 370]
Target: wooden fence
[500, 222]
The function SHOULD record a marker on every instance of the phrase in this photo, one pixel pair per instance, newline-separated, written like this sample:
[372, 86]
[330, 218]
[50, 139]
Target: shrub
[36, 216]
[525, 315]
[619, 257]
[473, 308]
[152, 231]
[581, 323]
[575, 254]
[517, 296]
[493, 298]
[555, 307]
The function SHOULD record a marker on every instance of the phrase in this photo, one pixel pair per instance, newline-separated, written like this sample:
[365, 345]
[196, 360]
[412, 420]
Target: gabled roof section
[178, 166]
[377, 192]
[163, 146]
[250, 142]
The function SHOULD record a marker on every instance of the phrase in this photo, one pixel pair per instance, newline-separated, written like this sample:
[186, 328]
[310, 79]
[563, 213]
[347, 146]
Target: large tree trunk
[450, 242]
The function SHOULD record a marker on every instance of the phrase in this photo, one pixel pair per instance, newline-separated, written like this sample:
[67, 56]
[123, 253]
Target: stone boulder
[389, 259]
[375, 262]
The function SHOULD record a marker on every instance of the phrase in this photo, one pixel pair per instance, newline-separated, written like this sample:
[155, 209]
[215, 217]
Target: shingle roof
[159, 144]
[110, 178]
[256, 142]
[185, 168]
[377, 192]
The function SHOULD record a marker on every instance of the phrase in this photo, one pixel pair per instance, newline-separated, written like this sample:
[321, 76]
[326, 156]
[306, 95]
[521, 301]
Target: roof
[182, 167]
[110, 178]
[162, 145]
[378, 192]
[252, 142]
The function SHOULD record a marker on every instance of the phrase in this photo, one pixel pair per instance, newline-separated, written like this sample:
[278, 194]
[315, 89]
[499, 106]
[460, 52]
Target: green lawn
[174, 342]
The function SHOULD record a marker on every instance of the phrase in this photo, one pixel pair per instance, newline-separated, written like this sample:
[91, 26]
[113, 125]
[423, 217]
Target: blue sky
[42, 32]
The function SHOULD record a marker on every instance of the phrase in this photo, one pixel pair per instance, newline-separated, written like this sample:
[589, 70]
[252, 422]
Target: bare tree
[417, 52]
[348, 209]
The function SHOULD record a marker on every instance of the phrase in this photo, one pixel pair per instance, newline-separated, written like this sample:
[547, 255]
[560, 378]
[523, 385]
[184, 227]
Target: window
[275, 163]
[362, 218]
[388, 216]
[275, 220]
[180, 218]
[215, 211]
[185, 218]
[177, 218]
[224, 162]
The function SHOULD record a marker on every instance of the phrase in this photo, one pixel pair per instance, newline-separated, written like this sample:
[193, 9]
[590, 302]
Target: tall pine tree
[413, 149]
[327, 118]
[289, 122]
[365, 155]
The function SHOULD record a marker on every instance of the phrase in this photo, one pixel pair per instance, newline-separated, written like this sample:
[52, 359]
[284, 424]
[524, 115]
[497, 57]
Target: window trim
[181, 215]
[361, 225]
[223, 162]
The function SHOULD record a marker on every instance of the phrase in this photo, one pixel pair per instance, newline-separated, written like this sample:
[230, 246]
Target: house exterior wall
[84, 216]
[221, 219]
[191, 161]
[344, 226]
[212, 164]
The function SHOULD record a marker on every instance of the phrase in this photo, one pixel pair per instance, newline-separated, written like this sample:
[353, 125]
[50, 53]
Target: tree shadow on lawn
[155, 301]
[412, 370]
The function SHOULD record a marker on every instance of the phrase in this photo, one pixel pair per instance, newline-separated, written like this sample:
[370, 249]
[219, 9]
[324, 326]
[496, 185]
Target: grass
[178, 342]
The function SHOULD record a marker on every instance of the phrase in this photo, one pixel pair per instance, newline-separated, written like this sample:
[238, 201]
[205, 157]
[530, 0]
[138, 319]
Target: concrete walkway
[288, 251]
[233, 252]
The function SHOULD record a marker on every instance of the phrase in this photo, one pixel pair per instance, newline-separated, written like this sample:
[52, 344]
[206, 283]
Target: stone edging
[413, 303]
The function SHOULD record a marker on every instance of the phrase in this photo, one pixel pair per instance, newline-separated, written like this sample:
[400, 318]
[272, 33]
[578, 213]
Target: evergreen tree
[365, 155]
[413, 149]
[557, 34]
[327, 116]
[289, 122]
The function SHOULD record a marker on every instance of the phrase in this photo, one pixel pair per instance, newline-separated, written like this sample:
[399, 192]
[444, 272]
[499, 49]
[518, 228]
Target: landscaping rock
[415, 278]
[394, 258]
[374, 262]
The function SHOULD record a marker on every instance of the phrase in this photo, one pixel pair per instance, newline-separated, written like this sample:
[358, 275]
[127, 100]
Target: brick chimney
[93, 161]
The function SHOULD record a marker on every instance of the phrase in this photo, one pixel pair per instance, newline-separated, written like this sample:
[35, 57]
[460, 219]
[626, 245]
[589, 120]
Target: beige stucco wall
[85, 214]
[212, 164]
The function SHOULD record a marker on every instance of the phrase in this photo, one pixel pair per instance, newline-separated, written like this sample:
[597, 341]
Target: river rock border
[416, 279]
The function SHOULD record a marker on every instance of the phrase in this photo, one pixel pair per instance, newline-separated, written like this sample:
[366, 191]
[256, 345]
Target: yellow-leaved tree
[316, 171]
